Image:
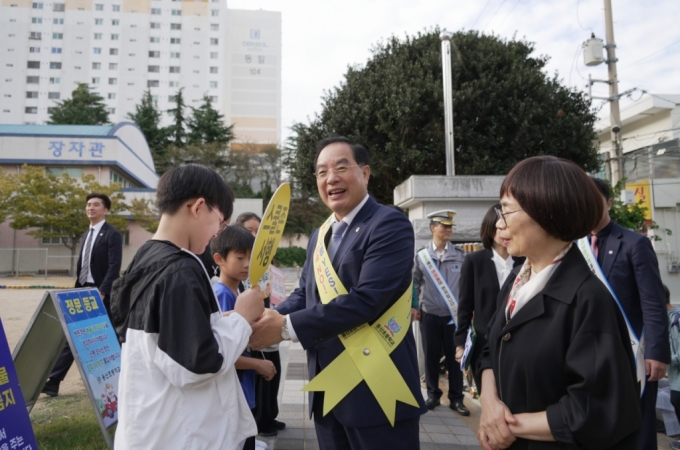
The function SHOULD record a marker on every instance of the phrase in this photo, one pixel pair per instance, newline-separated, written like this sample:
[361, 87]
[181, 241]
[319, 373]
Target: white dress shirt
[97, 229]
[503, 266]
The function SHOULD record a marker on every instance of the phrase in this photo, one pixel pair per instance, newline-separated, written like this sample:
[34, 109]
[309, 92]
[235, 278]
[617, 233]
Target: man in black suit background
[629, 263]
[98, 266]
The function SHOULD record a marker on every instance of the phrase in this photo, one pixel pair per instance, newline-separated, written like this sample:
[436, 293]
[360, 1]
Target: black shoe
[51, 387]
[460, 408]
[431, 403]
[675, 445]
[269, 433]
[279, 425]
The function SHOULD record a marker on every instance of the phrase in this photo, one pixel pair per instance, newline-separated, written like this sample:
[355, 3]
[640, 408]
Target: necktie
[85, 263]
[338, 229]
[593, 244]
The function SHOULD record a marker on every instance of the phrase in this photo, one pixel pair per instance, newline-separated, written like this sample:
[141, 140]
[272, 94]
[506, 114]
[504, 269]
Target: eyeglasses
[323, 174]
[223, 223]
[501, 215]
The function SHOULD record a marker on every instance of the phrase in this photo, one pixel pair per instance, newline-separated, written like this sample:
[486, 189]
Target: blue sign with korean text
[16, 431]
[93, 149]
[96, 345]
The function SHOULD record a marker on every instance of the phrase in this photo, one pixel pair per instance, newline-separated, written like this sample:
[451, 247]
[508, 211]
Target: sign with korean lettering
[75, 148]
[643, 194]
[96, 346]
[269, 233]
[16, 431]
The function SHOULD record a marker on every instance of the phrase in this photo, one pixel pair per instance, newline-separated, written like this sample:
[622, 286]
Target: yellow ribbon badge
[367, 347]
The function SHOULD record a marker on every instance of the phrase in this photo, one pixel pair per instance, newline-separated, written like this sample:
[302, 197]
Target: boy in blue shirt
[231, 251]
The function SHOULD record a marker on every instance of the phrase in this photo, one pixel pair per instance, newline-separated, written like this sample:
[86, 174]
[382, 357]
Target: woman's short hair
[246, 216]
[488, 229]
[557, 194]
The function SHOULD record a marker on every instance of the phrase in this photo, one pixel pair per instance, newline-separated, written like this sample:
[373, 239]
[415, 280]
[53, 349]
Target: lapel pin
[357, 230]
[610, 252]
[101, 234]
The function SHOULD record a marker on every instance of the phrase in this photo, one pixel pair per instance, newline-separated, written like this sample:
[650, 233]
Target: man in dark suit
[98, 266]
[630, 265]
[371, 249]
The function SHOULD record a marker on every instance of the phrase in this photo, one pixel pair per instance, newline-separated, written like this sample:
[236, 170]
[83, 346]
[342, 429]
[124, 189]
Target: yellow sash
[367, 347]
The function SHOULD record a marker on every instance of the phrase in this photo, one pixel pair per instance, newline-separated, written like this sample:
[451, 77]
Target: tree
[83, 108]
[54, 207]
[145, 214]
[7, 187]
[148, 119]
[206, 125]
[177, 131]
[505, 109]
[212, 155]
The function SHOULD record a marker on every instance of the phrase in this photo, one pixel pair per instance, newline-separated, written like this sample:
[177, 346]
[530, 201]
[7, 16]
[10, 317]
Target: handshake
[266, 323]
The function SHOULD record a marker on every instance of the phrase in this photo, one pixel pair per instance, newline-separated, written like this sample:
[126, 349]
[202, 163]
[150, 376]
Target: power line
[506, 17]
[480, 15]
[494, 14]
[651, 54]
[578, 19]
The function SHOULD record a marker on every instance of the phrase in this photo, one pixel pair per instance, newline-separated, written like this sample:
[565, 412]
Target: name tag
[455, 268]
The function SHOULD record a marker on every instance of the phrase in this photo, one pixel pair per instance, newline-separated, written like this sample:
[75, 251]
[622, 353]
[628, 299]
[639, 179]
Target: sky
[321, 38]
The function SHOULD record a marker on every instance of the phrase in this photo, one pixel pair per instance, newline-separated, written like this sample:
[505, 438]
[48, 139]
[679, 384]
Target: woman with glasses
[481, 277]
[558, 370]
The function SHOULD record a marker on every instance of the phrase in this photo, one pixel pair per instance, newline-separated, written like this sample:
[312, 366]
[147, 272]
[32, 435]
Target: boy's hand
[249, 304]
[267, 330]
[266, 369]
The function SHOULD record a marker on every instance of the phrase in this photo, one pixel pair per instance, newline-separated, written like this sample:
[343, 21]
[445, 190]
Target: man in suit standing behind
[630, 265]
[370, 246]
[98, 266]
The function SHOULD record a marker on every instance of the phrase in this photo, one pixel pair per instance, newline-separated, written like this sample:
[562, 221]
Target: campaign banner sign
[16, 431]
[277, 281]
[96, 347]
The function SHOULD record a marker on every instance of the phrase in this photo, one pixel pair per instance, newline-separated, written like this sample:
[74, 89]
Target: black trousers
[437, 334]
[675, 401]
[266, 395]
[647, 437]
[474, 359]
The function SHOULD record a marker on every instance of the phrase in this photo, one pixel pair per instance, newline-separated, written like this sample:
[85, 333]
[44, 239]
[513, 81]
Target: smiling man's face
[341, 192]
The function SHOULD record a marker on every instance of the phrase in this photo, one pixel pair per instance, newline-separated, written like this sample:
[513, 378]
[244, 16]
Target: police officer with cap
[436, 279]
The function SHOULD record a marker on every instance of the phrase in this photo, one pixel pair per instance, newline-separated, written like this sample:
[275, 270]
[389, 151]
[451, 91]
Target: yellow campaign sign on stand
[269, 234]
[643, 192]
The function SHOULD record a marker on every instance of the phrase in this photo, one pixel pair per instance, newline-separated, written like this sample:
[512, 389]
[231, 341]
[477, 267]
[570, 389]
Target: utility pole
[445, 37]
[614, 114]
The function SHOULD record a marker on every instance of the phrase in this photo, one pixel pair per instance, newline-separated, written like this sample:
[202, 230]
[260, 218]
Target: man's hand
[415, 314]
[249, 304]
[460, 351]
[655, 369]
[266, 330]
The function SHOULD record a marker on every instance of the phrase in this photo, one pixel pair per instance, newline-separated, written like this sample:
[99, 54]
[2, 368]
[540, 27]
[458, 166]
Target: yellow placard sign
[269, 234]
[642, 192]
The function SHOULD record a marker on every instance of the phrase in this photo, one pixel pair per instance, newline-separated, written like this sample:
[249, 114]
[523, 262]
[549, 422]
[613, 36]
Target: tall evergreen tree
[177, 131]
[83, 108]
[206, 125]
[148, 119]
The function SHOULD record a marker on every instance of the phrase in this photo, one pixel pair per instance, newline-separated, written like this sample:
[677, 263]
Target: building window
[155, 11]
[174, 69]
[174, 84]
[172, 98]
[213, 70]
[115, 22]
[36, 20]
[115, 8]
[37, 6]
[154, 39]
[152, 83]
[95, 80]
[114, 37]
[98, 21]
[215, 12]
[113, 81]
[213, 55]
[213, 84]
[176, 12]
[111, 110]
[174, 55]
[154, 54]
[112, 96]
[214, 41]
[30, 80]
[113, 51]
[55, 80]
[31, 110]
[59, 21]
[113, 66]
[58, 7]
[33, 64]
[31, 94]
[53, 95]
[34, 50]
[213, 99]
[97, 36]
[175, 40]
[55, 65]
[97, 51]
[155, 25]
[57, 171]
[214, 27]
[56, 49]
[155, 69]
[99, 7]
[35, 35]
[96, 65]
[175, 26]
[57, 35]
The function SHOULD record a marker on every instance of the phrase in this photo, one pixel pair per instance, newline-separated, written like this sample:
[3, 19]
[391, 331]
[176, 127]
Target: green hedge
[290, 256]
